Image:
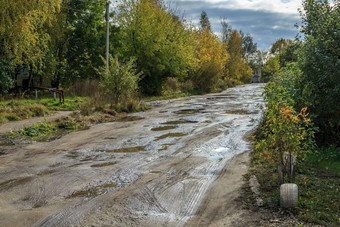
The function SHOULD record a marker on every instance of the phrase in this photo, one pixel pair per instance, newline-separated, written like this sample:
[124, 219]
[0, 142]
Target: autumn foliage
[64, 41]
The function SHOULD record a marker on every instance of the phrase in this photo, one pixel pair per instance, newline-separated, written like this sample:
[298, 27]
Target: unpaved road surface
[181, 164]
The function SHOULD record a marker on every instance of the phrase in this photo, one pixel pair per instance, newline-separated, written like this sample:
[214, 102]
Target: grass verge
[318, 180]
[47, 131]
[14, 110]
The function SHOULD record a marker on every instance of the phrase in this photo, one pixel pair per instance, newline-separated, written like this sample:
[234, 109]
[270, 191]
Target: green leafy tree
[271, 69]
[120, 79]
[86, 38]
[280, 46]
[204, 21]
[319, 85]
[290, 54]
[248, 45]
[6, 81]
[159, 41]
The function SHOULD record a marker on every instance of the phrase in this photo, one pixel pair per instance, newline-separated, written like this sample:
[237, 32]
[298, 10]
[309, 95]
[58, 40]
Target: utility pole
[107, 31]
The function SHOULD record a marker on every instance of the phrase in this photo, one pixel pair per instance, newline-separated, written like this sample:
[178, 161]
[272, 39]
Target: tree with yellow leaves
[210, 57]
[238, 70]
[21, 23]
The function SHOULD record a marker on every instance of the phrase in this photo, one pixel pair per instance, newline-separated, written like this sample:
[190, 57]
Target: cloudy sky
[266, 20]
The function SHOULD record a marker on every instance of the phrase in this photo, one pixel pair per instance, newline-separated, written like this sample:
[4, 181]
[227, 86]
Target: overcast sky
[266, 20]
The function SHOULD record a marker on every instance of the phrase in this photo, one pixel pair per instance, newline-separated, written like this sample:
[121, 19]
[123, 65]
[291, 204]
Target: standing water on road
[102, 176]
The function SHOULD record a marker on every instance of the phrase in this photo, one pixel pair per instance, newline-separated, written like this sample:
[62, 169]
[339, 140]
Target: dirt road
[180, 163]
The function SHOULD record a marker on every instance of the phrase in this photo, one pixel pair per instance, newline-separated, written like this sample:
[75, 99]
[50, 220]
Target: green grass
[43, 131]
[19, 109]
[318, 180]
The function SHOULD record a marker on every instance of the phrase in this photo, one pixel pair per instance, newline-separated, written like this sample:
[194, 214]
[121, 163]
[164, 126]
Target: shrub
[119, 79]
[38, 129]
[283, 130]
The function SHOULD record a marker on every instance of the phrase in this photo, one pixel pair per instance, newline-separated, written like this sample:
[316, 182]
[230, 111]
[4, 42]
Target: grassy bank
[18, 109]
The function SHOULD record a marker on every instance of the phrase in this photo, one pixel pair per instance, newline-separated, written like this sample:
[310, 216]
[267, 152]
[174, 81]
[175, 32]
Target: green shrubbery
[119, 79]
[302, 108]
[37, 130]
[283, 130]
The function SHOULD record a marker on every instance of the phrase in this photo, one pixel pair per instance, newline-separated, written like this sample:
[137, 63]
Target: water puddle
[170, 135]
[163, 128]
[14, 182]
[165, 146]
[178, 122]
[56, 164]
[155, 171]
[103, 164]
[222, 97]
[219, 157]
[92, 192]
[72, 155]
[75, 165]
[124, 150]
[5, 144]
[45, 173]
[110, 138]
[188, 111]
[222, 149]
[88, 158]
[130, 118]
[236, 112]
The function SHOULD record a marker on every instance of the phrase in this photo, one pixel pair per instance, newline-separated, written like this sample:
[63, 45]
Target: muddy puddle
[72, 155]
[110, 138]
[5, 142]
[48, 172]
[103, 164]
[237, 112]
[165, 146]
[188, 111]
[178, 122]
[155, 171]
[130, 118]
[14, 182]
[92, 192]
[88, 158]
[163, 128]
[170, 135]
[124, 150]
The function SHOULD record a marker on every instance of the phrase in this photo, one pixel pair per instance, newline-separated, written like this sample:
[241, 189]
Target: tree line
[64, 41]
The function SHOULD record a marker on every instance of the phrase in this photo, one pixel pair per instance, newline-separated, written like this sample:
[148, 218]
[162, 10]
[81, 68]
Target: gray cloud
[265, 26]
